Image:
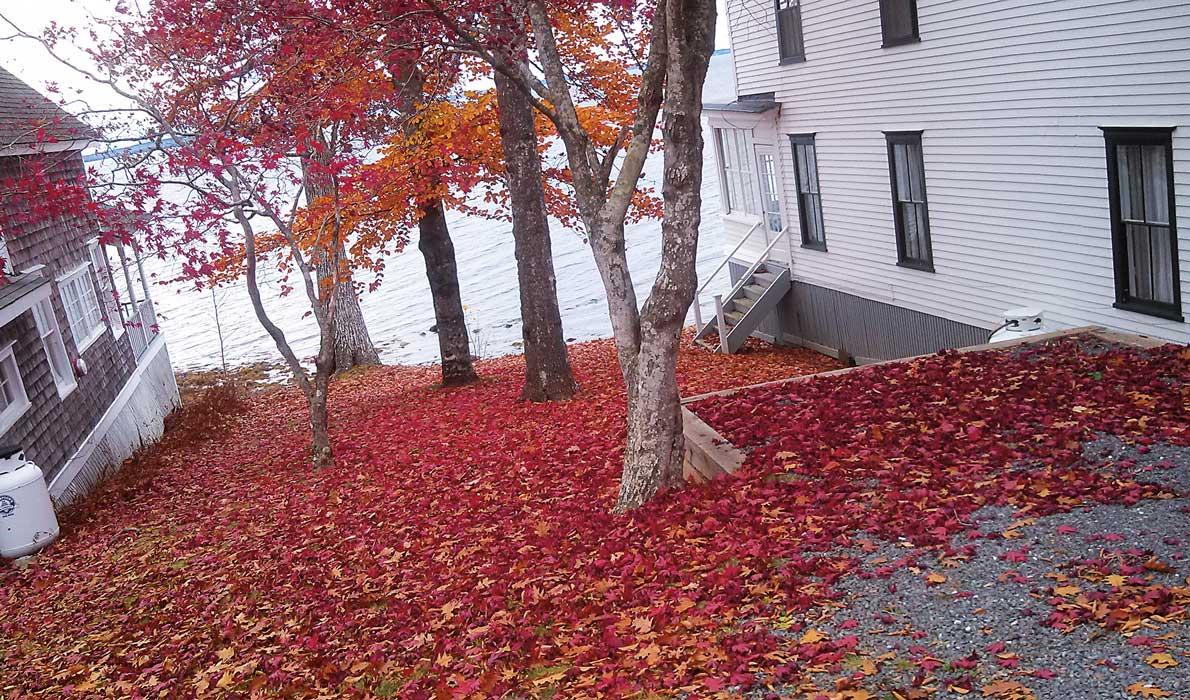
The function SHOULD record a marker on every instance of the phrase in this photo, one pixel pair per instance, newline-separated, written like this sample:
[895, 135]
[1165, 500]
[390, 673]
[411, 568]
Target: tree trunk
[547, 370]
[320, 444]
[653, 458]
[434, 243]
[352, 344]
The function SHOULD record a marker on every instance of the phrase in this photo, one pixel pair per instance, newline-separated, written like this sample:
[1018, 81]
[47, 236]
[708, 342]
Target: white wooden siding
[1010, 96]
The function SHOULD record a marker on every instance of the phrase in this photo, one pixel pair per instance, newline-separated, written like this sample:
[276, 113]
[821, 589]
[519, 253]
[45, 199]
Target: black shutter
[898, 21]
[789, 31]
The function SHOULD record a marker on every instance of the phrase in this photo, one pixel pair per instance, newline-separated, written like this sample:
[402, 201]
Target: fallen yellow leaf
[812, 637]
[1161, 661]
[1147, 690]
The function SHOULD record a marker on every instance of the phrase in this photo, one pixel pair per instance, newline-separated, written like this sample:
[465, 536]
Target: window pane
[803, 179]
[917, 188]
[1156, 185]
[919, 213]
[812, 168]
[1140, 254]
[815, 213]
[901, 160]
[1132, 207]
[1160, 243]
[912, 234]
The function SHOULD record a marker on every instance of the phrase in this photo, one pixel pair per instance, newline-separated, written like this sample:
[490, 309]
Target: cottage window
[910, 210]
[82, 307]
[1144, 227]
[13, 399]
[898, 22]
[55, 349]
[809, 198]
[739, 188]
[789, 31]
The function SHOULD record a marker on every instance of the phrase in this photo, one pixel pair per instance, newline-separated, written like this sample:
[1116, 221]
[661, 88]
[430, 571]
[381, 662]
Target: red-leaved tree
[673, 60]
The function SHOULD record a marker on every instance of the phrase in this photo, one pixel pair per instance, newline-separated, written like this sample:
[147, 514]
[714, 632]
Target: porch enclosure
[124, 292]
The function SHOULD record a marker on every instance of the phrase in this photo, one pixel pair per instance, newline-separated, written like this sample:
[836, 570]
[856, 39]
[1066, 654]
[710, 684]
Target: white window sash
[82, 307]
[55, 349]
[10, 375]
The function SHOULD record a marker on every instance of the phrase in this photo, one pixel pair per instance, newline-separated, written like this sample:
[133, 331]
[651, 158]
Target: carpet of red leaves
[463, 545]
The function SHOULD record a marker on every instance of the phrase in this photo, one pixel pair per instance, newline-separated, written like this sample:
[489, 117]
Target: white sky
[29, 61]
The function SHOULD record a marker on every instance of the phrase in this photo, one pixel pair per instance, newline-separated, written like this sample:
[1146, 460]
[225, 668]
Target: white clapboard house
[897, 173]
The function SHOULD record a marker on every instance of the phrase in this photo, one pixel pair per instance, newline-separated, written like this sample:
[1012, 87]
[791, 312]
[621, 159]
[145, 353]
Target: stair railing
[711, 278]
[735, 290]
[760, 260]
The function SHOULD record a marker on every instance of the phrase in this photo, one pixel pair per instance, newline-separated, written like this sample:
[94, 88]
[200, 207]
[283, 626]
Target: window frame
[65, 282]
[15, 410]
[911, 38]
[50, 333]
[1141, 136]
[909, 138]
[793, 7]
[766, 180]
[810, 140]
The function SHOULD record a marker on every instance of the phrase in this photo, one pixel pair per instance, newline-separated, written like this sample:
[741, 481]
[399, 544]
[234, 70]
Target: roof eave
[30, 149]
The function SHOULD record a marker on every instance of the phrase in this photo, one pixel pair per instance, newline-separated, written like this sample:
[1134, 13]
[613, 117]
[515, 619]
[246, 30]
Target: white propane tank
[1020, 323]
[27, 520]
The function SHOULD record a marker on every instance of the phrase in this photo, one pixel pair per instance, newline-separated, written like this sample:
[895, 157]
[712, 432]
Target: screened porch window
[1144, 228]
[789, 31]
[809, 198]
[910, 211]
[107, 286]
[739, 187]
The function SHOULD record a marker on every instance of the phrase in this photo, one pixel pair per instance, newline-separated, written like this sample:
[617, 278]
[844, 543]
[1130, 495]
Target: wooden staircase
[749, 303]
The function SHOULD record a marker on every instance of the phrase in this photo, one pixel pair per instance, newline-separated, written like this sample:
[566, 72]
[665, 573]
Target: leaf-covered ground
[463, 546]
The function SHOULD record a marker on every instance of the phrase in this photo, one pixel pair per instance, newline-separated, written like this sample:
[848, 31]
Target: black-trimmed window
[809, 197]
[911, 213]
[789, 31]
[1143, 218]
[898, 22]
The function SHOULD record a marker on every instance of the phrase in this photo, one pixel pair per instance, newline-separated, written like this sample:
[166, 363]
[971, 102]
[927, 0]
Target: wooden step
[763, 278]
[743, 303]
[753, 291]
[733, 318]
